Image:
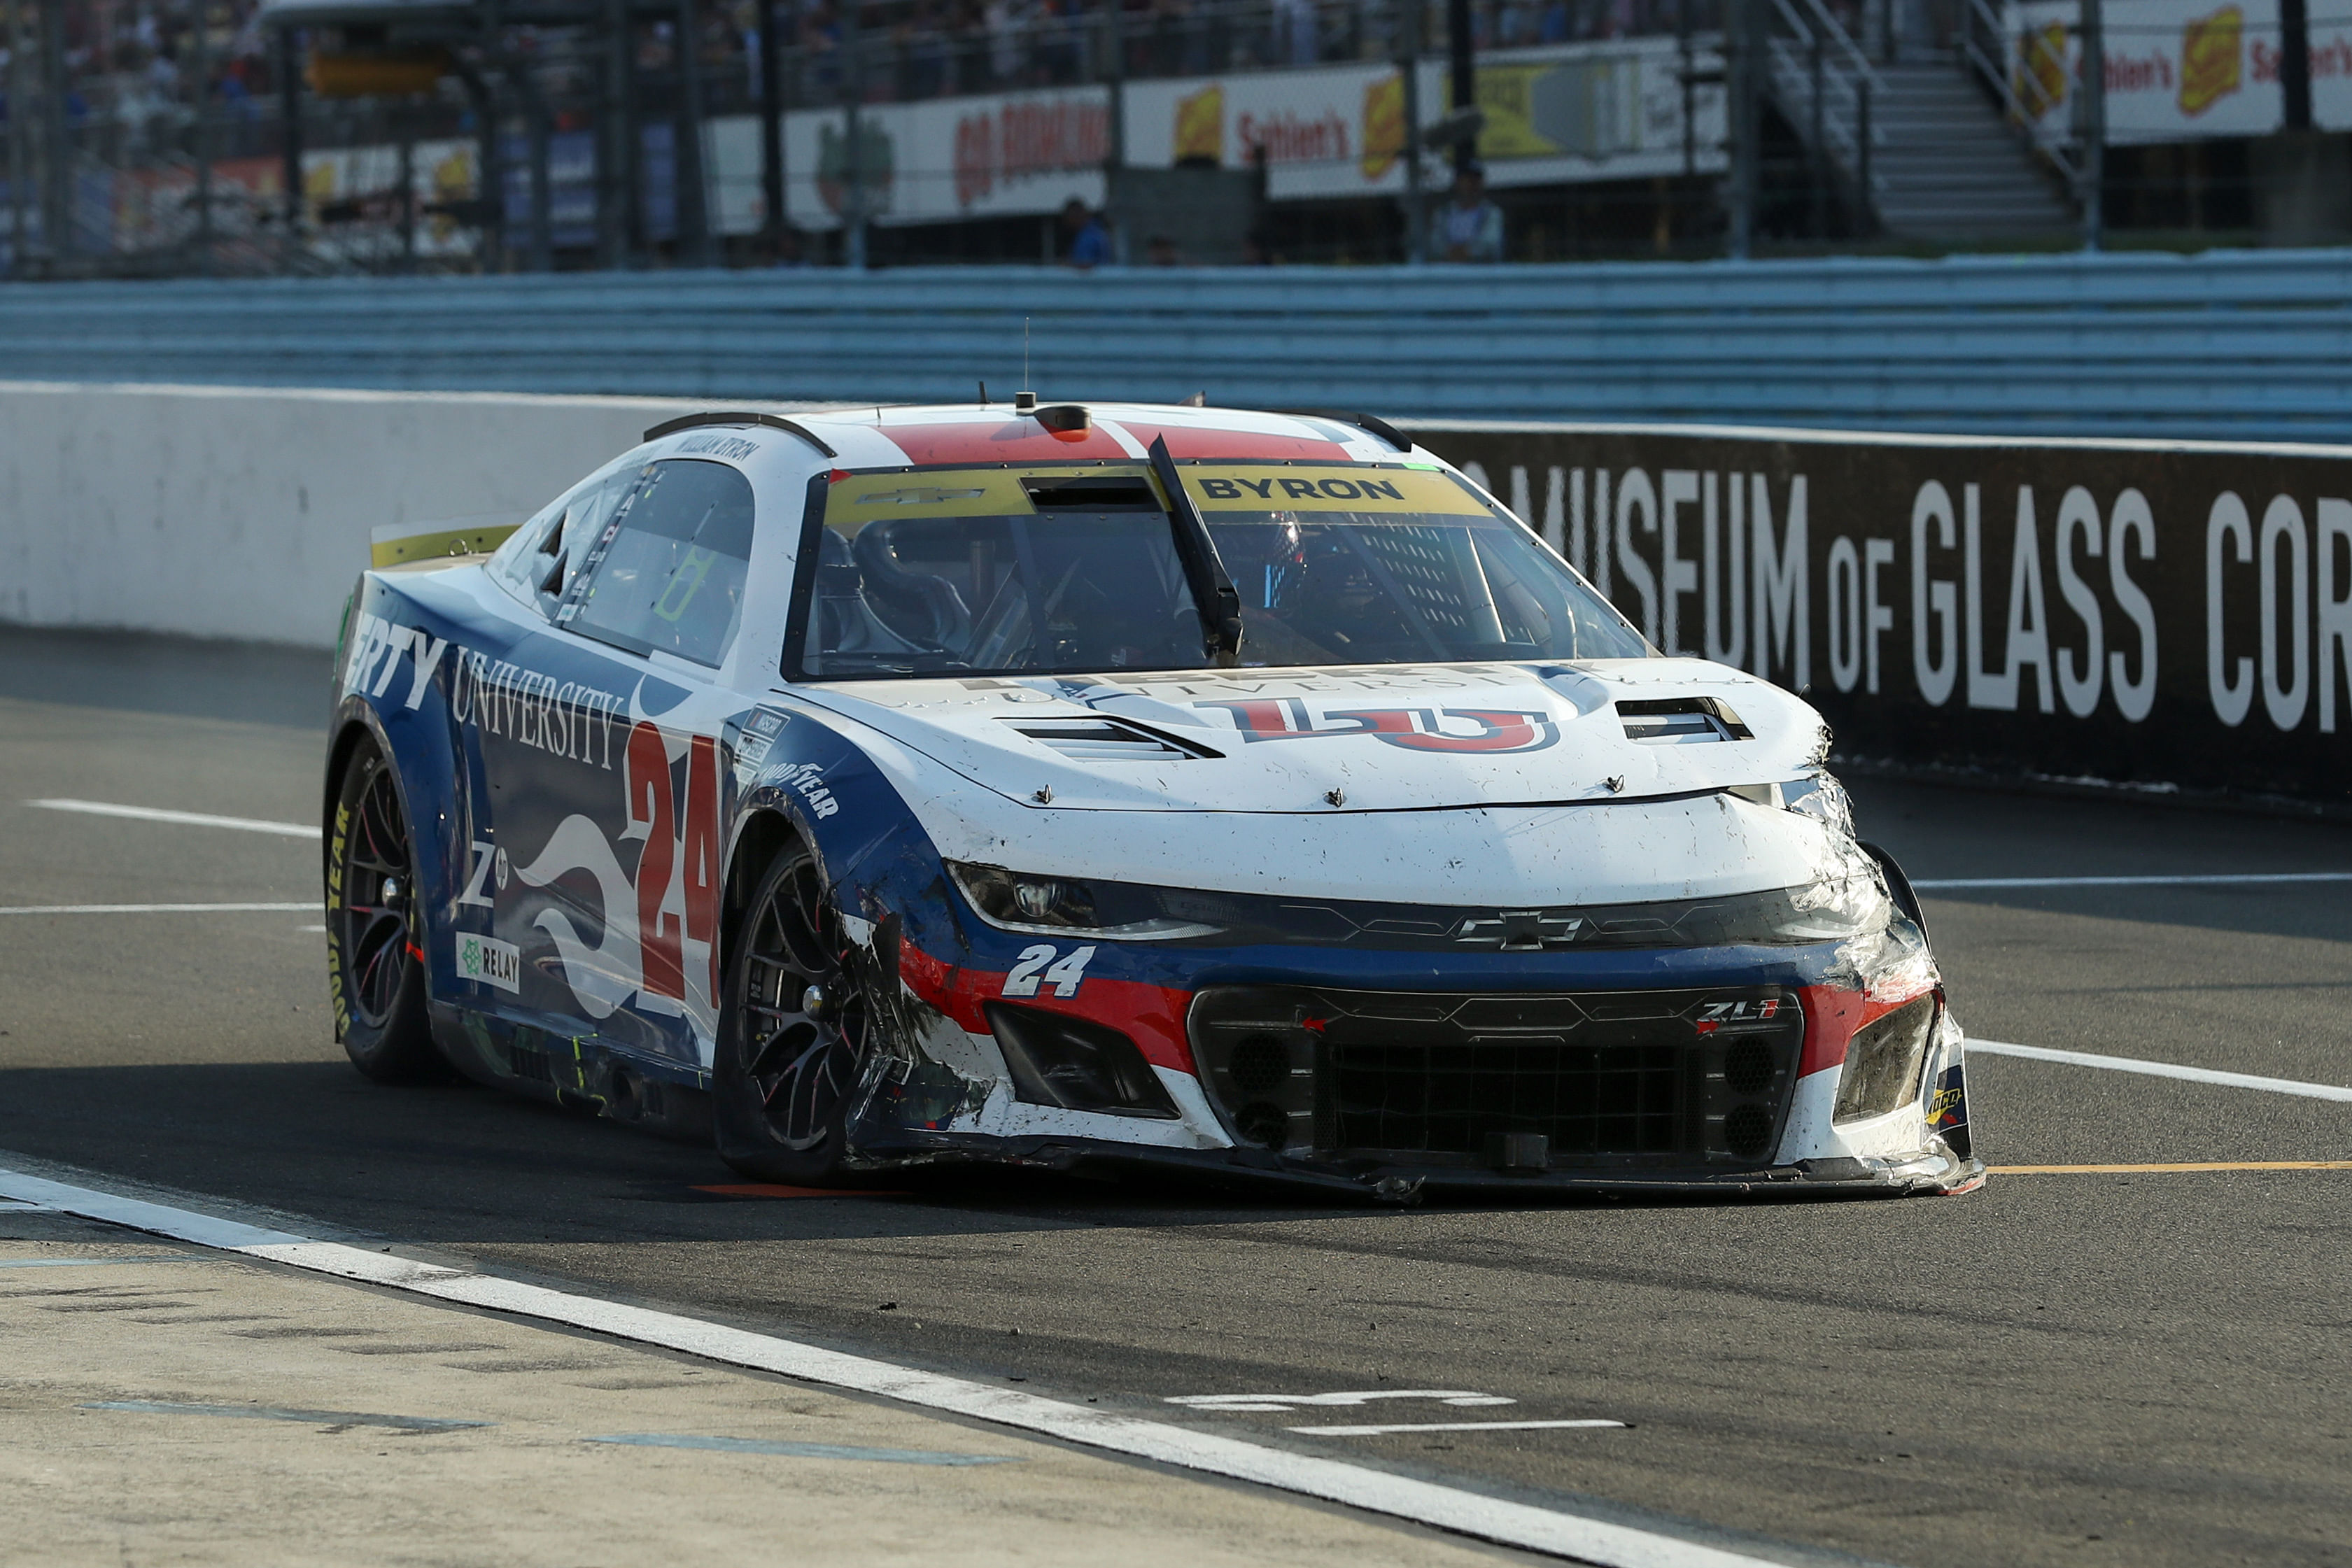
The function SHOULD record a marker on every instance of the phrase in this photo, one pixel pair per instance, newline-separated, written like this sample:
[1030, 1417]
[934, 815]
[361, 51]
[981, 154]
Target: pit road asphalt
[2131, 1368]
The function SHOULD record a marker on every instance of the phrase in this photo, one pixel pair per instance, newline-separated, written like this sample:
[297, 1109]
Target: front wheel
[792, 1033]
[375, 953]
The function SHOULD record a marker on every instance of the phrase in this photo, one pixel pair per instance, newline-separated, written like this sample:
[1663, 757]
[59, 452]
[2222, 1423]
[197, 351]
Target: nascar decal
[1456, 730]
[659, 942]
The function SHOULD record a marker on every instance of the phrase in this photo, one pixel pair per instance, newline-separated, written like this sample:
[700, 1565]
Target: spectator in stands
[1295, 26]
[1004, 26]
[1087, 241]
[1468, 227]
[1160, 251]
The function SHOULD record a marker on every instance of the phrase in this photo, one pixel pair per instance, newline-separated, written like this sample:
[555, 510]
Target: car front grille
[1555, 1080]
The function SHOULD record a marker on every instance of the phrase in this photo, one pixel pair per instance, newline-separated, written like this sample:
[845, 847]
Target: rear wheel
[792, 1033]
[375, 953]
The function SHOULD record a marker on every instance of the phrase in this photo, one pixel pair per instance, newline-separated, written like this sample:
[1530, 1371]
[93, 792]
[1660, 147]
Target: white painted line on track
[2247, 879]
[1551, 1531]
[2162, 1069]
[1446, 1427]
[307, 906]
[186, 819]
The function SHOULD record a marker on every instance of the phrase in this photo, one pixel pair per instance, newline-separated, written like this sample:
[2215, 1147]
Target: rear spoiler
[449, 538]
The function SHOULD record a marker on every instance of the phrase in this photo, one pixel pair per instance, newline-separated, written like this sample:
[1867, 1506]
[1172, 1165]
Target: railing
[2248, 343]
[1826, 87]
[1993, 57]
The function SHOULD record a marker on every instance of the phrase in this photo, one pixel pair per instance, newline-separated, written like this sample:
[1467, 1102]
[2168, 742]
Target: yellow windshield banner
[1350, 487]
[863, 498]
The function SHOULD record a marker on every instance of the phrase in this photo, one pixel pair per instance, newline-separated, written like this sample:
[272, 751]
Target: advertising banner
[1571, 114]
[998, 156]
[2163, 616]
[156, 208]
[1602, 112]
[2175, 69]
[1339, 131]
[362, 185]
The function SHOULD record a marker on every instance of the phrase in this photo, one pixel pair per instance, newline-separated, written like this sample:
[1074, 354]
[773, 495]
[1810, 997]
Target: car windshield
[1053, 570]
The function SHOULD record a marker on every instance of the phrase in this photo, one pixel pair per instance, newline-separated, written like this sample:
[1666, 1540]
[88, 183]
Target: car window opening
[1045, 573]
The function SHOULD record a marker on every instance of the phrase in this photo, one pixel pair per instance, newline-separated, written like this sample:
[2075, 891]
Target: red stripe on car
[1189, 443]
[1001, 441]
[1151, 1016]
[1834, 1015]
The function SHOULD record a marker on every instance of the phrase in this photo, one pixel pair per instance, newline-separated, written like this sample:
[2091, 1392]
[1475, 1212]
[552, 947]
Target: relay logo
[486, 961]
[1450, 729]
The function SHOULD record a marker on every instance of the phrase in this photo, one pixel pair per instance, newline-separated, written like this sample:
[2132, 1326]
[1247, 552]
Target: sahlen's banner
[2177, 70]
[1560, 115]
[2162, 615]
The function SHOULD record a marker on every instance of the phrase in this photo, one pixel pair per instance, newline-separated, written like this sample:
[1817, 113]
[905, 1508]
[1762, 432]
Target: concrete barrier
[2158, 615]
[245, 513]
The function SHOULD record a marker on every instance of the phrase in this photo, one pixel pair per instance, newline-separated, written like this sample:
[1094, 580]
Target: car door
[600, 749]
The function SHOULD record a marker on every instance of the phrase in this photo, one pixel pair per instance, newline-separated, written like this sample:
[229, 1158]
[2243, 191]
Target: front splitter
[1937, 1171]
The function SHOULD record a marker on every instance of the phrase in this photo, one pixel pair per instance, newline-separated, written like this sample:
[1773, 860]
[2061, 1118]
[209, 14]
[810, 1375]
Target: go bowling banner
[2164, 616]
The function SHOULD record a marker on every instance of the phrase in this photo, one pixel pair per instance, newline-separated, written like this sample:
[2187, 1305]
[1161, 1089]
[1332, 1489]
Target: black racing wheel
[375, 952]
[793, 1029]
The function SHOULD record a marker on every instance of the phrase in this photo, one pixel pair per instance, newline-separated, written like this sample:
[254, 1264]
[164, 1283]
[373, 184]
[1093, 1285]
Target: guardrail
[2246, 344]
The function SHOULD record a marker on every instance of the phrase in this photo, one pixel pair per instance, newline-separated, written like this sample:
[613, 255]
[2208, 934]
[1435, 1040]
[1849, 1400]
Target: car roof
[1114, 431]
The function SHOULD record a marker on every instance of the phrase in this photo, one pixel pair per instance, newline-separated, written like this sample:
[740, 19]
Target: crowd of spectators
[133, 74]
[914, 49]
[130, 63]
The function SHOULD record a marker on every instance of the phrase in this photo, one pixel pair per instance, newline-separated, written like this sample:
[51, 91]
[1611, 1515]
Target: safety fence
[2247, 344]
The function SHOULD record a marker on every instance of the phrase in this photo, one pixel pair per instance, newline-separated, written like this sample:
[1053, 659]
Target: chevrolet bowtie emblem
[1521, 930]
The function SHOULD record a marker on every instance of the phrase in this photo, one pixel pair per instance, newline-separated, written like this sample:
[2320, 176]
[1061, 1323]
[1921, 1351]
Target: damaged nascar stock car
[1107, 787]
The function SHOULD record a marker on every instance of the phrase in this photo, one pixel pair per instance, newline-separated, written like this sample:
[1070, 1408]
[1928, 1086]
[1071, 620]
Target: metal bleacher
[2248, 345]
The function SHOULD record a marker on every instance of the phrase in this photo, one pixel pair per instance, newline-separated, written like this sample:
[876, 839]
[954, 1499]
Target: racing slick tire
[793, 1028]
[375, 946]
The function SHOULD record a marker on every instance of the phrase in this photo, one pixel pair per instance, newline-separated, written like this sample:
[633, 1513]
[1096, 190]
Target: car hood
[1369, 738]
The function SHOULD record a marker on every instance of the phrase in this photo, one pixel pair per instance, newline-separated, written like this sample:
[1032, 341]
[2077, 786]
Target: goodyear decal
[335, 924]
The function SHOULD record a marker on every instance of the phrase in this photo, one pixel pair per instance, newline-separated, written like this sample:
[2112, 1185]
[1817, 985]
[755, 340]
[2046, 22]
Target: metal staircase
[1951, 170]
[1917, 150]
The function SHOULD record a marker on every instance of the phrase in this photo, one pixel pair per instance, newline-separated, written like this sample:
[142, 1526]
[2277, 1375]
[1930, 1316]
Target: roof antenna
[1024, 400]
[984, 394]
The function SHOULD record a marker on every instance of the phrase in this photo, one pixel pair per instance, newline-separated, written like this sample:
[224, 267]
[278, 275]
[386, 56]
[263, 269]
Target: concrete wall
[243, 513]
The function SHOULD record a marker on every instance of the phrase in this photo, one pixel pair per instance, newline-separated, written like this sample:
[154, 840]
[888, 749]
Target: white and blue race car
[1111, 786]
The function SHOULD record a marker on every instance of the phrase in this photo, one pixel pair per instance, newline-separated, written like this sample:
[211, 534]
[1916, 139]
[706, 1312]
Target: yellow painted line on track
[2183, 1166]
